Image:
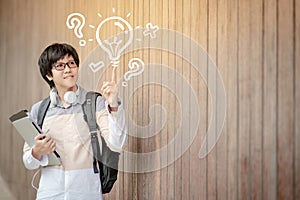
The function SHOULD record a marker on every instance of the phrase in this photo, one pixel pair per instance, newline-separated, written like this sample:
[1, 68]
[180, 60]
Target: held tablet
[28, 129]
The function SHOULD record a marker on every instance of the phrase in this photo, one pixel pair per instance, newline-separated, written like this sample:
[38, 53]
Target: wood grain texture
[244, 99]
[231, 85]
[285, 189]
[212, 21]
[269, 185]
[255, 46]
[256, 112]
[297, 99]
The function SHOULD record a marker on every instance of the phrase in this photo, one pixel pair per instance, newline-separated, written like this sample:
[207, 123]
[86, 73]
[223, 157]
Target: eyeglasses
[61, 66]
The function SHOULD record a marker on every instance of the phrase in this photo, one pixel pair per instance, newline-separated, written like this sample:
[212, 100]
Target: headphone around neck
[69, 97]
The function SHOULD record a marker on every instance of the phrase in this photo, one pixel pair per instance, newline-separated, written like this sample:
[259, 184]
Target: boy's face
[65, 75]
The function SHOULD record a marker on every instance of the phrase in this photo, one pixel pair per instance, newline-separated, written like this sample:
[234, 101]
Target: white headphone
[69, 96]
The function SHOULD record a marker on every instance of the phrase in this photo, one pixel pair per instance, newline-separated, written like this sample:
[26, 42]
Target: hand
[109, 90]
[42, 145]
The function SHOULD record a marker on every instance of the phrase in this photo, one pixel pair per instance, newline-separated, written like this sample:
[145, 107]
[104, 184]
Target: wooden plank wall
[256, 47]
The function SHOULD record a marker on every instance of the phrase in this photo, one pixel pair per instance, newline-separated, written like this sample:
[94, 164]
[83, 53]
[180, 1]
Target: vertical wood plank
[5, 135]
[232, 97]
[256, 91]
[155, 91]
[285, 100]
[172, 106]
[244, 103]
[269, 182]
[185, 136]
[165, 97]
[222, 65]
[203, 40]
[5, 130]
[14, 143]
[212, 53]
[143, 184]
[178, 67]
[261, 131]
[198, 181]
[297, 98]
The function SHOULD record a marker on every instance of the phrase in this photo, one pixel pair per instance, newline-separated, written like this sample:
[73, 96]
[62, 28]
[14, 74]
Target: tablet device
[28, 129]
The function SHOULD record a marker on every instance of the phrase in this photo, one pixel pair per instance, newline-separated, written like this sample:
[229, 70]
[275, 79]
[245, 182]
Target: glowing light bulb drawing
[115, 46]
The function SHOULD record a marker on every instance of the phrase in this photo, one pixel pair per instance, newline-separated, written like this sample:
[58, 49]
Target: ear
[49, 77]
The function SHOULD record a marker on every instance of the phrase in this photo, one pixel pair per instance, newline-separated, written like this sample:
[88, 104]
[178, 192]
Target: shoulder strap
[89, 113]
[89, 110]
[42, 111]
[108, 175]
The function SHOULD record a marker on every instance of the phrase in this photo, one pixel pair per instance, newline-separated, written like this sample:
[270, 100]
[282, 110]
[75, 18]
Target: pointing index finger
[113, 76]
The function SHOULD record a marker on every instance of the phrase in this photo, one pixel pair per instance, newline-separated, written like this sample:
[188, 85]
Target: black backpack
[106, 159]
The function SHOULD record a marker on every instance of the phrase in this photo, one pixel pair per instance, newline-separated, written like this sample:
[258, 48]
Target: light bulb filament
[114, 46]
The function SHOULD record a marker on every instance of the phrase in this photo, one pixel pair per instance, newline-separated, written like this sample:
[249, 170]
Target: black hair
[51, 55]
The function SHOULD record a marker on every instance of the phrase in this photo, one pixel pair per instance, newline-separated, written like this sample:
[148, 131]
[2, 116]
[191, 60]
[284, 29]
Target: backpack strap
[89, 112]
[42, 111]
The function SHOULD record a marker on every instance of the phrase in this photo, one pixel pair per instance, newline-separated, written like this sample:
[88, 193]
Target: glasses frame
[69, 63]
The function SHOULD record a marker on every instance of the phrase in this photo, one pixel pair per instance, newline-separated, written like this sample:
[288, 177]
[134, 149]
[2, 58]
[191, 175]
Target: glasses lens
[72, 64]
[60, 66]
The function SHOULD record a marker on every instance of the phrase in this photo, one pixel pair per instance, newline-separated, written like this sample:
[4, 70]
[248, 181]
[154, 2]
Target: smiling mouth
[71, 76]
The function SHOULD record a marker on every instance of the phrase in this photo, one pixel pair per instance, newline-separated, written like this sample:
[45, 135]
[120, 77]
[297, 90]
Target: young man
[66, 131]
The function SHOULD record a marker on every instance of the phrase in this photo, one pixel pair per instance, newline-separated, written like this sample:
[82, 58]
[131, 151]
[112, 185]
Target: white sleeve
[117, 127]
[32, 163]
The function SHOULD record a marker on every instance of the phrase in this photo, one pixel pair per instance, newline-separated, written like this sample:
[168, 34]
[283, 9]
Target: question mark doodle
[136, 66]
[76, 21]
